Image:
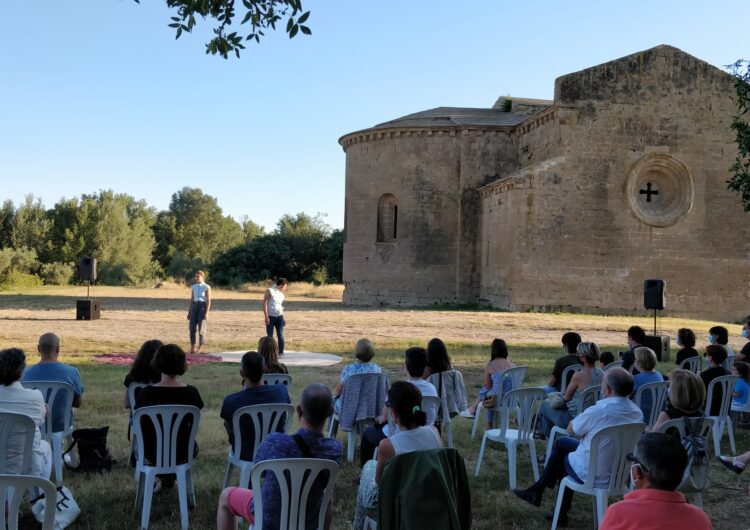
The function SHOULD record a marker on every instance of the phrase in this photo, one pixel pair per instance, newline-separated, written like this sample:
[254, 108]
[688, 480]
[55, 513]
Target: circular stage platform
[290, 358]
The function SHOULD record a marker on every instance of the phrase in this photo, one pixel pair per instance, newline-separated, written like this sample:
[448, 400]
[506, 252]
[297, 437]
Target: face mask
[711, 339]
[744, 332]
[677, 341]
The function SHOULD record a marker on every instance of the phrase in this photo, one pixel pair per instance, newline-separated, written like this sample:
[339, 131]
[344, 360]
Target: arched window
[387, 218]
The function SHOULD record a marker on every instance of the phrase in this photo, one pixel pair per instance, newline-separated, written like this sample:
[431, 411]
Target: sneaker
[466, 414]
[529, 495]
[731, 464]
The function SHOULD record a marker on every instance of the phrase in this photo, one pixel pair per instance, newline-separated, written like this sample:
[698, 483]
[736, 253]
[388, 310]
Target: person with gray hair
[657, 470]
[15, 398]
[316, 404]
[570, 454]
[364, 351]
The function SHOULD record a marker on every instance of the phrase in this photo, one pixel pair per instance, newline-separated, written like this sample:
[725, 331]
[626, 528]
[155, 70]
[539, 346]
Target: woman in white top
[15, 398]
[273, 311]
[200, 304]
[414, 434]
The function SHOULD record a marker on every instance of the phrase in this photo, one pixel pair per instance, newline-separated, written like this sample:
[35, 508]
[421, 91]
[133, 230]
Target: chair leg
[601, 507]
[558, 505]
[350, 446]
[148, 494]
[716, 431]
[245, 476]
[139, 479]
[512, 463]
[481, 455]
[697, 500]
[730, 431]
[534, 463]
[191, 488]
[449, 433]
[183, 496]
[476, 419]
[57, 460]
[228, 476]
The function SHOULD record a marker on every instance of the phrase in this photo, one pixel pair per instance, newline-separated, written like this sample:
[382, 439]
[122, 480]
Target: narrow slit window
[387, 227]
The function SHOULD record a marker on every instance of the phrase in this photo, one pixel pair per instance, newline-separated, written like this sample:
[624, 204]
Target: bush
[57, 273]
[19, 280]
[183, 267]
[320, 276]
[18, 260]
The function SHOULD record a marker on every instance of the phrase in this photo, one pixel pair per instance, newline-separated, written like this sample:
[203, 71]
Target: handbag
[556, 400]
[66, 508]
[93, 455]
[490, 401]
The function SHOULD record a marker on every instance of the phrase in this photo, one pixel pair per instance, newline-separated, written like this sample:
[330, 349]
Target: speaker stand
[654, 321]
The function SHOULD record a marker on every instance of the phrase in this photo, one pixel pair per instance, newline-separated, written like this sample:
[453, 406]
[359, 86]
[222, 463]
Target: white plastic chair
[166, 421]
[266, 418]
[728, 363]
[567, 375]
[692, 363]
[133, 389]
[526, 401]
[723, 419]
[12, 490]
[51, 390]
[613, 364]
[622, 439]
[13, 424]
[588, 398]
[279, 379]
[703, 430]
[658, 392]
[517, 374]
[446, 407]
[296, 477]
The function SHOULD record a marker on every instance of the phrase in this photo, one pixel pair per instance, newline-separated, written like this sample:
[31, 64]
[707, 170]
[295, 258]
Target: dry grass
[317, 321]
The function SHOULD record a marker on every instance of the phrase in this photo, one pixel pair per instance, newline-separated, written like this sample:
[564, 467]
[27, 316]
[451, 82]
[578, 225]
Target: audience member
[687, 396]
[253, 392]
[686, 340]
[269, 350]
[415, 360]
[15, 398]
[645, 362]
[716, 355]
[314, 408]
[736, 464]
[448, 381]
[550, 415]
[413, 435]
[570, 456]
[493, 370]
[744, 354]
[636, 338]
[364, 351]
[605, 359]
[570, 342]
[741, 391]
[438, 359]
[142, 370]
[50, 369]
[656, 471]
[720, 335]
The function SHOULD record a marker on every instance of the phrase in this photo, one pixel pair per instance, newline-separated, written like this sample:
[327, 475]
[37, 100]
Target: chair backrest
[588, 398]
[133, 391]
[17, 426]
[613, 364]
[516, 374]
[728, 363]
[567, 375]
[356, 406]
[12, 490]
[727, 385]
[52, 391]
[166, 421]
[454, 389]
[526, 403]
[278, 379]
[266, 418]
[679, 424]
[657, 393]
[691, 363]
[698, 427]
[296, 478]
[623, 439]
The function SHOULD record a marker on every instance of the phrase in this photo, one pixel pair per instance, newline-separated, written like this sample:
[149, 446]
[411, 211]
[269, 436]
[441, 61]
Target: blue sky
[98, 94]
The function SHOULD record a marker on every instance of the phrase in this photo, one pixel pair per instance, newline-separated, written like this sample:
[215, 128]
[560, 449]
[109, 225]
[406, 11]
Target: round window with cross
[660, 190]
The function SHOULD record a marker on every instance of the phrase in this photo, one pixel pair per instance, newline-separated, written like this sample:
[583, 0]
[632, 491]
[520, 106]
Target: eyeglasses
[388, 404]
[630, 457]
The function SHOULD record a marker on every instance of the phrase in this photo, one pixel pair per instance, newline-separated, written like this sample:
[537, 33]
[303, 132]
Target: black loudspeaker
[660, 345]
[88, 309]
[87, 269]
[653, 294]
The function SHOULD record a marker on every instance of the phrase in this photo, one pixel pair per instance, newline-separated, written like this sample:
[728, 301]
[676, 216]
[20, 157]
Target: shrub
[320, 276]
[57, 273]
[19, 280]
[18, 260]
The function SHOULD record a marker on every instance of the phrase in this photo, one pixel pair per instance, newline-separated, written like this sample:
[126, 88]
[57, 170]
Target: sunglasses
[630, 457]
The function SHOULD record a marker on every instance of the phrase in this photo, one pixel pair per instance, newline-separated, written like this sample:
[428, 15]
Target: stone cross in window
[648, 192]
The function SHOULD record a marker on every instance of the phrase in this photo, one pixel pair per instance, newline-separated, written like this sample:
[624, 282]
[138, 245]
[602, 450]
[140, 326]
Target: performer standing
[200, 304]
[273, 311]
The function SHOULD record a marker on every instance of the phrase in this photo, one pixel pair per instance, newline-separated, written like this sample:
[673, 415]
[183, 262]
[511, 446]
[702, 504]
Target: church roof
[457, 116]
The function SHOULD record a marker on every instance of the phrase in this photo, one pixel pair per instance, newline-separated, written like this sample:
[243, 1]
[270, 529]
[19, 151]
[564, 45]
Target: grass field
[317, 321]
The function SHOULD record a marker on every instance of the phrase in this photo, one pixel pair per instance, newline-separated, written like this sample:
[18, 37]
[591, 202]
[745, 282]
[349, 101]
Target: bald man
[49, 368]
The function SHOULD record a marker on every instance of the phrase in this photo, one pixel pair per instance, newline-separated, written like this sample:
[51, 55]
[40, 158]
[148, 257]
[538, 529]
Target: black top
[685, 353]
[746, 350]
[561, 364]
[160, 395]
[708, 376]
[675, 413]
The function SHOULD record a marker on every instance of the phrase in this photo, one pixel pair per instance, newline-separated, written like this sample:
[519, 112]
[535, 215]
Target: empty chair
[526, 402]
[12, 490]
[723, 419]
[16, 442]
[166, 420]
[52, 391]
[263, 420]
[300, 481]
[278, 379]
[516, 375]
[588, 397]
[692, 363]
[651, 398]
[567, 375]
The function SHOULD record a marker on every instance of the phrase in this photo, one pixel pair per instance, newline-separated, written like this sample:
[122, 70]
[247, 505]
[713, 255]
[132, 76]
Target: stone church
[568, 204]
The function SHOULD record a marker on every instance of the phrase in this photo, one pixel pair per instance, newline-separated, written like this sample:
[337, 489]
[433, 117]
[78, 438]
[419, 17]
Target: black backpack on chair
[93, 455]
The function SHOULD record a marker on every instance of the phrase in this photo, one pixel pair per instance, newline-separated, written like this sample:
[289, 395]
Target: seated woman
[645, 363]
[364, 351]
[438, 359]
[685, 339]
[741, 391]
[15, 398]
[269, 349]
[170, 390]
[493, 370]
[142, 370]
[687, 394]
[590, 375]
[447, 380]
[404, 400]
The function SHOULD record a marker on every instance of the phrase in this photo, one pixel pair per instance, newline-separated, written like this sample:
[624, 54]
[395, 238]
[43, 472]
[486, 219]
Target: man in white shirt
[273, 311]
[200, 305]
[570, 454]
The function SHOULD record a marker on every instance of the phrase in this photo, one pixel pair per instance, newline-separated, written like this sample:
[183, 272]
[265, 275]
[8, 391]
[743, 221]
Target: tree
[7, 214]
[739, 180]
[335, 256]
[250, 230]
[31, 226]
[261, 15]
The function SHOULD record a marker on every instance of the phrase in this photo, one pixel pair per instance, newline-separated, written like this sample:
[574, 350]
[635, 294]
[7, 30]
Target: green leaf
[294, 31]
[179, 32]
[289, 25]
[303, 18]
[305, 30]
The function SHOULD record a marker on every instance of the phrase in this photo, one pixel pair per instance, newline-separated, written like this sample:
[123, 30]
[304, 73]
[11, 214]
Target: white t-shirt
[199, 291]
[16, 398]
[275, 302]
[420, 439]
[427, 389]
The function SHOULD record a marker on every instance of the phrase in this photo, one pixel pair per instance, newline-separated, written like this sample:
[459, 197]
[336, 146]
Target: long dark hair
[406, 400]
[437, 356]
[142, 370]
[499, 349]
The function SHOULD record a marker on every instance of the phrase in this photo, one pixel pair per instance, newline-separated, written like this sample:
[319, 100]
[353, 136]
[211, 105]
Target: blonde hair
[589, 350]
[646, 358]
[268, 348]
[364, 350]
[686, 390]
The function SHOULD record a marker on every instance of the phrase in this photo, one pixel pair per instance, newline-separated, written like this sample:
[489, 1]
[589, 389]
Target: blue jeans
[197, 322]
[278, 324]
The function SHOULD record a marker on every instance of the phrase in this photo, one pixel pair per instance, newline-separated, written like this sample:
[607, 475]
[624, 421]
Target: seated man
[316, 404]
[50, 369]
[716, 356]
[254, 393]
[636, 338]
[570, 456]
[658, 467]
[570, 342]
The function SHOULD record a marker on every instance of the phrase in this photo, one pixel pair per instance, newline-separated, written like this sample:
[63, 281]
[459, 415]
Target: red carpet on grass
[124, 359]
